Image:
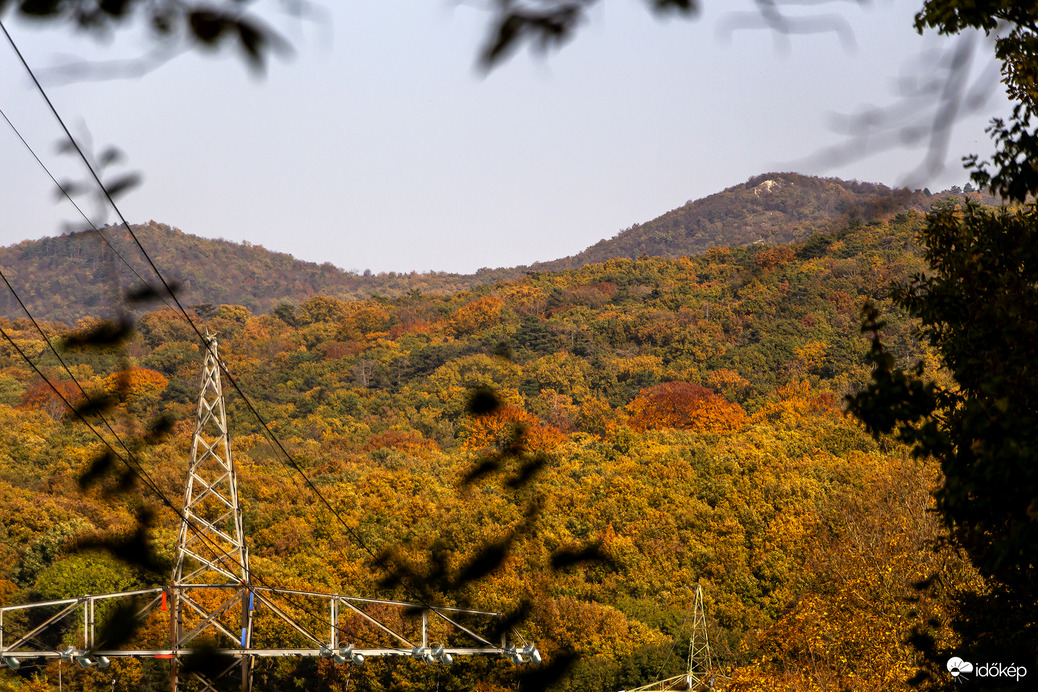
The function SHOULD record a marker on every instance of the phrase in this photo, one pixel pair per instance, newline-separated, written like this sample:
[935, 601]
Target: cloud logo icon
[956, 666]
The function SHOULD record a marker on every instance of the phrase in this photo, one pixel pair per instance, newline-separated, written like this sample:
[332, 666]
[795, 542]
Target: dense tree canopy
[684, 409]
[681, 414]
[977, 307]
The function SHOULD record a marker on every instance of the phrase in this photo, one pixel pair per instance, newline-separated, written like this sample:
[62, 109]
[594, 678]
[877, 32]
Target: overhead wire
[57, 355]
[285, 458]
[137, 468]
[65, 193]
[147, 257]
[133, 465]
[674, 643]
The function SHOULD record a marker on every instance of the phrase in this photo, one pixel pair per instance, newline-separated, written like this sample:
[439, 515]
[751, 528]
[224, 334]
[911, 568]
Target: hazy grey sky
[381, 146]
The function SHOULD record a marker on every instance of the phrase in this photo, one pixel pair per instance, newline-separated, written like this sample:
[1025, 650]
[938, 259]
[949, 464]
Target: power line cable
[135, 467]
[75, 145]
[53, 350]
[166, 285]
[287, 457]
[674, 643]
[139, 470]
[67, 196]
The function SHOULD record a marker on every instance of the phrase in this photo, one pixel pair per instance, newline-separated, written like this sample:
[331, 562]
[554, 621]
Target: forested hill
[678, 418]
[71, 276]
[772, 209]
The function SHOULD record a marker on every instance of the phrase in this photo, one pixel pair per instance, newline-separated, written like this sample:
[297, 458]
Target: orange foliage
[728, 381]
[338, 349]
[136, 381]
[684, 405]
[849, 631]
[526, 300]
[797, 398]
[845, 303]
[486, 431]
[364, 322]
[40, 396]
[775, 257]
[404, 440]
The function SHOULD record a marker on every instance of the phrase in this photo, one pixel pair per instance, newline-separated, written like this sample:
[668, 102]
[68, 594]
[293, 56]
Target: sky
[380, 144]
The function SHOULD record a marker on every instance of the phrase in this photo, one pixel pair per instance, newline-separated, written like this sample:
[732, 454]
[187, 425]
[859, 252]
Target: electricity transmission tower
[211, 579]
[214, 604]
[700, 673]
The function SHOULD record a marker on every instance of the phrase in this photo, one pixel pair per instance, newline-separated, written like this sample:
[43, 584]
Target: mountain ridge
[771, 208]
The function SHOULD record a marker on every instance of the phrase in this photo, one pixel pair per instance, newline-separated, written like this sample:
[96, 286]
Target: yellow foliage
[629, 367]
[727, 381]
[810, 357]
[849, 630]
[364, 321]
[475, 316]
[597, 417]
[321, 309]
[561, 372]
[595, 629]
[798, 399]
[489, 430]
[524, 299]
[555, 408]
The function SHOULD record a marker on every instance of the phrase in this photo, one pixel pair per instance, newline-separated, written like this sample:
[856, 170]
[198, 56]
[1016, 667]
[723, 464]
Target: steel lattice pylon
[210, 548]
[700, 665]
[213, 602]
[700, 673]
[211, 542]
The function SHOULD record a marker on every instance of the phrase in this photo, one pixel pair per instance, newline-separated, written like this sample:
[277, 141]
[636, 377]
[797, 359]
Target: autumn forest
[680, 411]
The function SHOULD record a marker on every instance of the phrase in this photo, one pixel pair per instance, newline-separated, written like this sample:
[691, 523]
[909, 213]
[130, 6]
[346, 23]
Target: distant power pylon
[700, 673]
[214, 605]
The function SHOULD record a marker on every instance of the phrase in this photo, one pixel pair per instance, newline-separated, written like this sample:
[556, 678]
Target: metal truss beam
[80, 610]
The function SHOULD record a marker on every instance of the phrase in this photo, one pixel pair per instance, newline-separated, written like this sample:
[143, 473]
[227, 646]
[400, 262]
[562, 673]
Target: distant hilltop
[772, 208]
[68, 277]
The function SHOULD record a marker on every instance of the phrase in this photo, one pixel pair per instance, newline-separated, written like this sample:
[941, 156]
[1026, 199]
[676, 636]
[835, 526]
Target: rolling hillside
[769, 209]
[680, 418]
[772, 208]
[49, 273]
